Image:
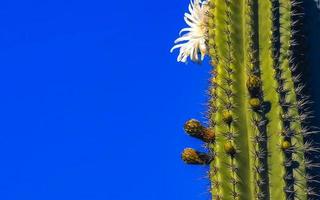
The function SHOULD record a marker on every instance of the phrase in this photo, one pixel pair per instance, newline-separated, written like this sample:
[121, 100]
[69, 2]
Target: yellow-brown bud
[255, 103]
[229, 148]
[227, 116]
[193, 126]
[195, 129]
[191, 156]
[208, 135]
[285, 145]
[253, 83]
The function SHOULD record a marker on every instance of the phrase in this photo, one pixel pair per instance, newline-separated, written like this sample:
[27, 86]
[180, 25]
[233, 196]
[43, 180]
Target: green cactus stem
[258, 120]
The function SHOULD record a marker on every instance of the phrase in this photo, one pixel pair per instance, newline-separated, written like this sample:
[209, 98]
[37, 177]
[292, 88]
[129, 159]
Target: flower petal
[192, 40]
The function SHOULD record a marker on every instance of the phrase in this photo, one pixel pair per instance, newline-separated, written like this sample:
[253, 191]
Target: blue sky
[93, 104]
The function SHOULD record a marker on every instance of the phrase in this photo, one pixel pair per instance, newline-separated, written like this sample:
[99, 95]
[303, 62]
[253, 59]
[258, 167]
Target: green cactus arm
[243, 141]
[286, 42]
[276, 160]
[223, 175]
[230, 39]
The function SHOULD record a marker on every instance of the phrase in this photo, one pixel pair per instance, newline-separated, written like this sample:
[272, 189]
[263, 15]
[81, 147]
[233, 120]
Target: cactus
[257, 137]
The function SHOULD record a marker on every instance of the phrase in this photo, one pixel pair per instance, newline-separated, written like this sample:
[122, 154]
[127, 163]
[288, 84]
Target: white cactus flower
[194, 41]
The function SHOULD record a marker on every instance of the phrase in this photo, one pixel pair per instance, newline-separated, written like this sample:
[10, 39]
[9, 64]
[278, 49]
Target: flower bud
[285, 145]
[191, 156]
[253, 83]
[227, 116]
[195, 129]
[229, 148]
[255, 103]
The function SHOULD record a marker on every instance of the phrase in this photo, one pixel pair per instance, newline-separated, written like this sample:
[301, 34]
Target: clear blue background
[92, 104]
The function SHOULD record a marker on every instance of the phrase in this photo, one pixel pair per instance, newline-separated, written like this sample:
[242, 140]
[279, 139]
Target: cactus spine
[258, 145]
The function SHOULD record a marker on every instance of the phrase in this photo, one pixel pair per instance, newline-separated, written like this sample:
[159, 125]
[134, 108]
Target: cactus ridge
[258, 137]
